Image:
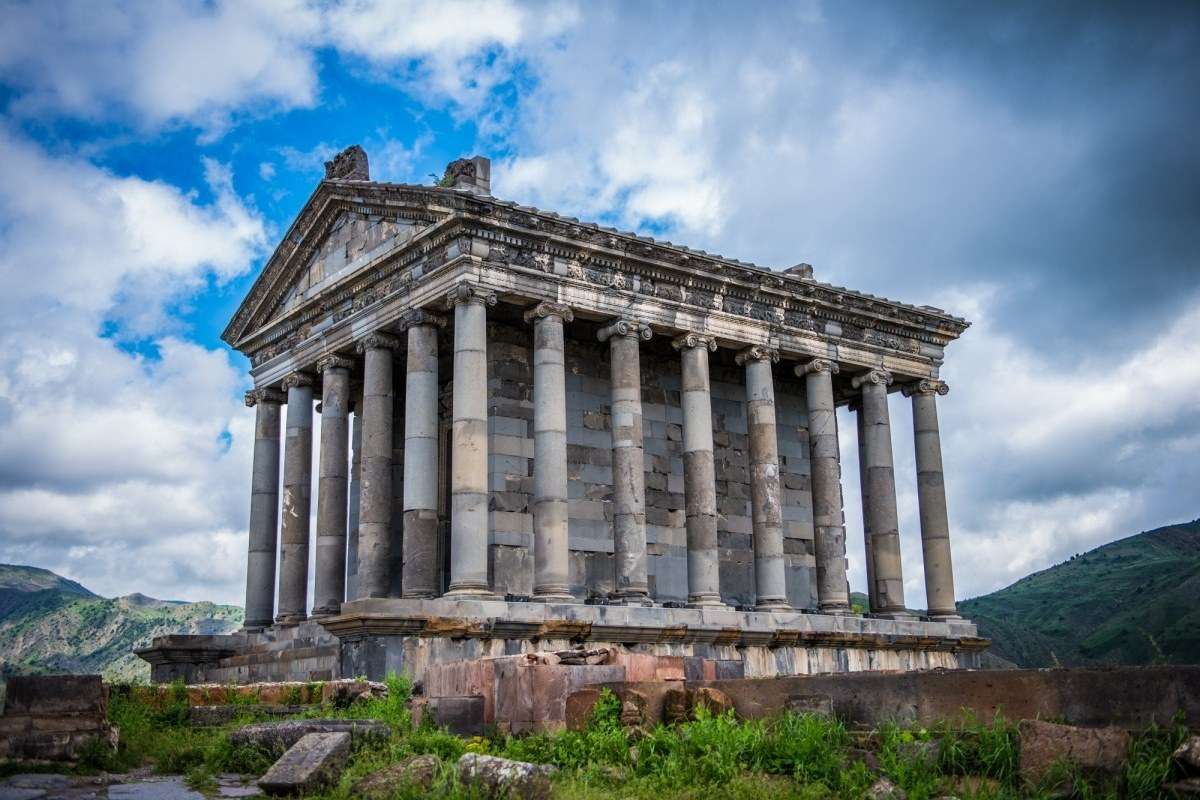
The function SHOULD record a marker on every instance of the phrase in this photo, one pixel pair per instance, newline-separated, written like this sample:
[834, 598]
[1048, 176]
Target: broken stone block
[714, 701]
[274, 738]
[310, 764]
[496, 777]
[677, 706]
[342, 693]
[417, 772]
[52, 717]
[1184, 790]
[884, 789]
[1093, 750]
[1187, 755]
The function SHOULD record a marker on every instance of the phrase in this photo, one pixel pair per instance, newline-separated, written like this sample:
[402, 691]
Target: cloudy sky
[1030, 166]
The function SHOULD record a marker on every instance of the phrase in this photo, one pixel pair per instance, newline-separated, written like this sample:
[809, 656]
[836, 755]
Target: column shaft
[880, 503]
[865, 493]
[829, 524]
[699, 480]
[629, 479]
[264, 509]
[421, 459]
[931, 497]
[333, 486]
[375, 488]
[765, 497]
[297, 501]
[551, 578]
[352, 513]
[469, 435]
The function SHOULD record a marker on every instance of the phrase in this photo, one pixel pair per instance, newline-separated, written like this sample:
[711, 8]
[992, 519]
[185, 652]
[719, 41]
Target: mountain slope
[51, 624]
[1129, 602]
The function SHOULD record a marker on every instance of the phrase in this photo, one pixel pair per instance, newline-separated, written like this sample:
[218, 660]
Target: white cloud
[120, 470]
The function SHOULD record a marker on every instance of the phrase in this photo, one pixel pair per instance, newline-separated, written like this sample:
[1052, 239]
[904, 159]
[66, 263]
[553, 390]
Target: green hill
[51, 624]
[1133, 601]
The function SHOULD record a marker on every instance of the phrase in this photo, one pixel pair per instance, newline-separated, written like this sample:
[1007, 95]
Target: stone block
[55, 694]
[275, 738]
[819, 704]
[1092, 750]
[495, 777]
[461, 715]
[415, 772]
[315, 761]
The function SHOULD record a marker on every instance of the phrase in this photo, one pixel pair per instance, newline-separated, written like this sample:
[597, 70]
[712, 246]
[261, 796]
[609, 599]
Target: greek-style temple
[533, 432]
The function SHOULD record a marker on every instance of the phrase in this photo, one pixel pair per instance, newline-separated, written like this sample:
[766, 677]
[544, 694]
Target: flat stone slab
[277, 737]
[172, 788]
[493, 776]
[313, 762]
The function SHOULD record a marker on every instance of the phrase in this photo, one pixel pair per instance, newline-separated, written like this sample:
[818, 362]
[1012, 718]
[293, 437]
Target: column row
[372, 505]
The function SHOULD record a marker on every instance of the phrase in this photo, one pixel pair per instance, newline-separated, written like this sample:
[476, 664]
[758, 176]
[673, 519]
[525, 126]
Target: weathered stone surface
[819, 704]
[54, 694]
[1188, 788]
[416, 772]
[503, 778]
[1187, 755]
[1043, 744]
[885, 789]
[316, 760]
[714, 701]
[276, 737]
[462, 715]
[52, 717]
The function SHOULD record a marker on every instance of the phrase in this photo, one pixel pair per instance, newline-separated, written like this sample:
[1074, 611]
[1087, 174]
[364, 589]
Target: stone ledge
[486, 619]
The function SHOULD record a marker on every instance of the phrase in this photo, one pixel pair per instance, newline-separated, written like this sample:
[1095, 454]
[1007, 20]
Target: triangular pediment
[332, 238]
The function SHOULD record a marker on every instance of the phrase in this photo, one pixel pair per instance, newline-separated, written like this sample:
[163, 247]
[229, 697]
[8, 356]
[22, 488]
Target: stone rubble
[312, 763]
[276, 737]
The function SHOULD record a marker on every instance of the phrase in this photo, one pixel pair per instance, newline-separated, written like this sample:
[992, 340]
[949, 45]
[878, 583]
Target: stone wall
[589, 464]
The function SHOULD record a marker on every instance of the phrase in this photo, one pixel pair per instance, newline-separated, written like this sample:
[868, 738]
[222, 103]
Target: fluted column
[264, 509]
[699, 479]
[375, 482]
[332, 485]
[765, 498]
[469, 440]
[628, 459]
[421, 455]
[297, 500]
[551, 578]
[829, 524]
[880, 503]
[931, 497]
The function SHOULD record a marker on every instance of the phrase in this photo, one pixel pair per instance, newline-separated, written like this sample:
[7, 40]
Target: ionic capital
[877, 377]
[687, 341]
[415, 317]
[757, 352]
[817, 365]
[334, 361]
[466, 292]
[377, 340]
[625, 327]
[297, 379]
[548, 309]
[256, 396]
[926, 386]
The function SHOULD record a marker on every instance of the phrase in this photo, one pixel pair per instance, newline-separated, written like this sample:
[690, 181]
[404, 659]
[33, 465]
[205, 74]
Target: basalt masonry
[534, 431]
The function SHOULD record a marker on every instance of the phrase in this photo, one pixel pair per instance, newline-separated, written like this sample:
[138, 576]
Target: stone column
[332, 485]
[829, 524]
[297, 500]
[765, 498]
[469, 443]
[264, 509]
[931, 497]
[421, 455]
[865, 493]
[699, 479]
[353, 502]
[375, 483]
[629, 479]
[551, 570]
[880, 503]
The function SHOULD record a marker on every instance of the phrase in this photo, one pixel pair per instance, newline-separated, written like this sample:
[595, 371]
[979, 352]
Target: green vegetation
[50, 624]
[788, 756]
[1129, 602]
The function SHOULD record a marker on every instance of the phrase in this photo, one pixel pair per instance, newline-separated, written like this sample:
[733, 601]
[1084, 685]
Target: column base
[903, 614]
[419, 596]
[837, 611]
[326, 611]
[291, 619]
[638, 599]
[772, 604]
[706, 601]
[254, 627]
[553, 597]
[948, 617]
[472, 592]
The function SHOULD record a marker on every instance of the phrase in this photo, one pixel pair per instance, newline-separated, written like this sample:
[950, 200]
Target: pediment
[347, 244]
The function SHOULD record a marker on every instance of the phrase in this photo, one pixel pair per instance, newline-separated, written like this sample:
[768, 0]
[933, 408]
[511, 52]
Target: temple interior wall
[589, 465]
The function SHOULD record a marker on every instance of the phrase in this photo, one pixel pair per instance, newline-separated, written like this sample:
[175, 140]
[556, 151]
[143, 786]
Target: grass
[779, 758]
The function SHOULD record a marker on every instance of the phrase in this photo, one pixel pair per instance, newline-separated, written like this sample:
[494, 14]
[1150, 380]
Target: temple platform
[373, 637]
